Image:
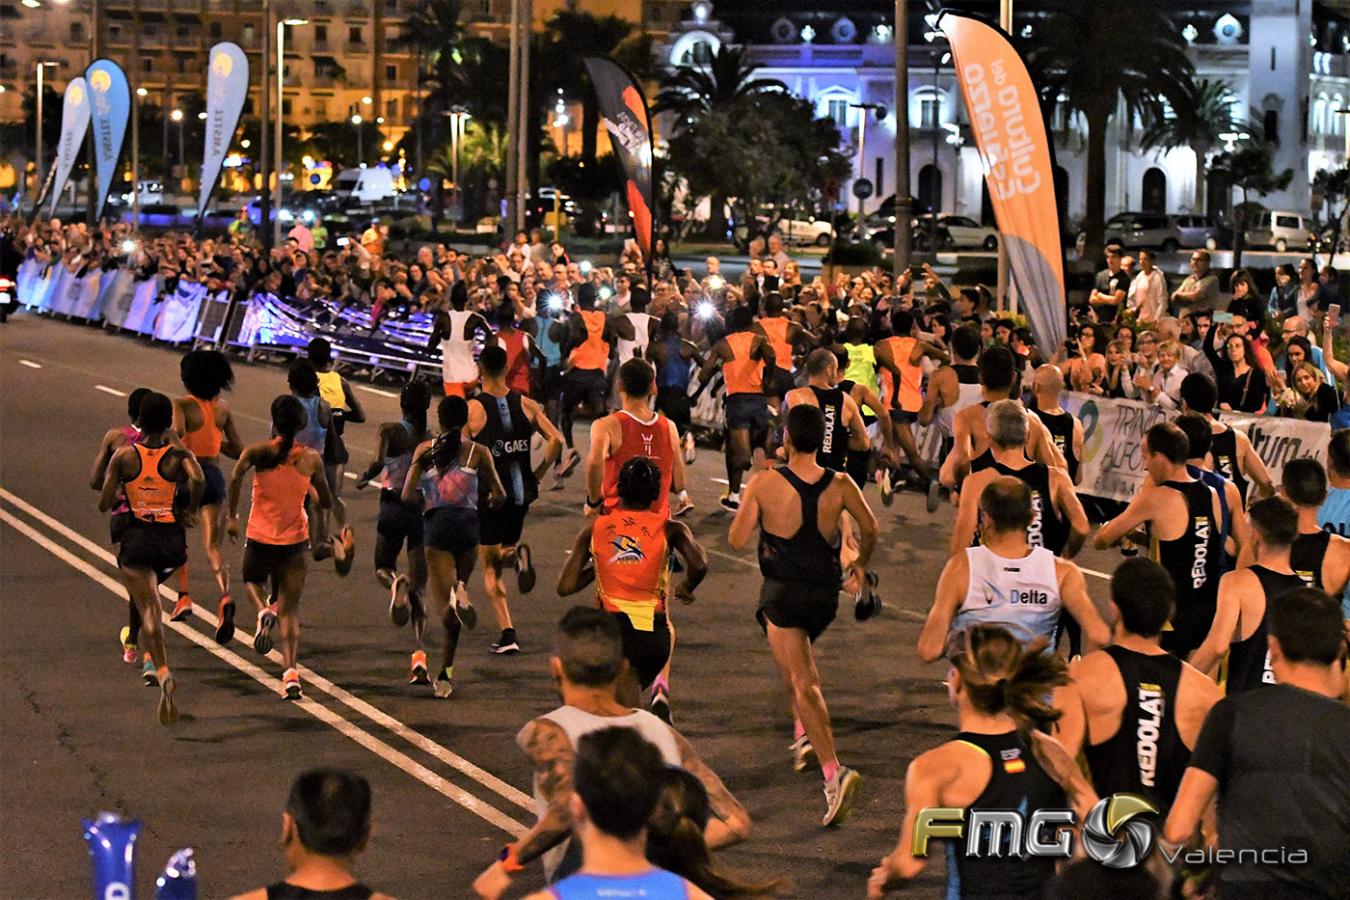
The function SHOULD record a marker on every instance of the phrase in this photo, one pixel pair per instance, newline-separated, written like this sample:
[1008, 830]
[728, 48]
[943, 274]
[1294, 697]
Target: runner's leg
[290, 584]
[792, 653]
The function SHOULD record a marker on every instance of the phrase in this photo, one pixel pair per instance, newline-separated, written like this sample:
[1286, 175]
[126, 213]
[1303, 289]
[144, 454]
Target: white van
[364, 185]
[1281, 230]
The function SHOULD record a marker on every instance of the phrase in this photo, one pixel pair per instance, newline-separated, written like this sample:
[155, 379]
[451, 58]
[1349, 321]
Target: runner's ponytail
[453, 415]
[288, 418]
[1001, 675]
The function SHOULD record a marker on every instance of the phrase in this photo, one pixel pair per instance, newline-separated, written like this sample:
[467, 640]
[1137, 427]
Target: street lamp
[356, 121]
[141, 94]
[862, 146]
[458, 115]
[560, 120]
[276, 138]
[37, 159]
[177, 116]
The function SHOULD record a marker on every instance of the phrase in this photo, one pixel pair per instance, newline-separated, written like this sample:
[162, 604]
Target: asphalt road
[80, 733]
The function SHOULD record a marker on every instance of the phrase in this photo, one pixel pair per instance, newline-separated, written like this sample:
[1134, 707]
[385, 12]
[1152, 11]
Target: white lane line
[720, 481]
[352, 475]
[107, 390]
[30, 364]
[377, 391]
[338, 723]
[412, 736]
[1101, 575]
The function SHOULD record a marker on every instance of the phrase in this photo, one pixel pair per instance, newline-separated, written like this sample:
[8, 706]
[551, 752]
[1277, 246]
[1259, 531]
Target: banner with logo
[1113, 438]
[74, 123]
[226, 90]
[629, 124]
[1015, 148]
[110, 111]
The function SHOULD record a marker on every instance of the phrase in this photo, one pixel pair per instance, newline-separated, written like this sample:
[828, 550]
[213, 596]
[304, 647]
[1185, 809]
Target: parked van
[1281, 230]
[365, 185]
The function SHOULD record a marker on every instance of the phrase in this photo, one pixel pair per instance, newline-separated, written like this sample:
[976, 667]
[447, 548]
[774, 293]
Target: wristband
[507, 858]
[594, 504]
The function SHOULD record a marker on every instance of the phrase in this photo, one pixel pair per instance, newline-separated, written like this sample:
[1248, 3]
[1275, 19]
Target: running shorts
[502, 526]
[746, 411]
[646, 651]
[673, 403]
[213, 494]
[808, 607]
[160, 547]
[857, 462]
[398, 523]
[265, 562]
[585, 386]
[459, 388]
[451, 529]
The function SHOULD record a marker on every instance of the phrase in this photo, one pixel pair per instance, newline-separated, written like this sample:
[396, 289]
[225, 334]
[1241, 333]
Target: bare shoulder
[1092, 668]
[541, 738]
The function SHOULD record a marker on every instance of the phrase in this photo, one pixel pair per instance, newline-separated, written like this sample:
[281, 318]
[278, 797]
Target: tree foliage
[1250, 170]
[1199, 123]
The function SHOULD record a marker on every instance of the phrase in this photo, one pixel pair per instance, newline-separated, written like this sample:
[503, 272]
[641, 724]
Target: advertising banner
[110, 111]
[74, 123]
[226, 89]
[630, 131]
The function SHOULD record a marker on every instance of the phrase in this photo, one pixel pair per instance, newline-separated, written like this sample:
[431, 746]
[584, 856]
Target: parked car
[150, 191]
[1202, 231]
[920, 238]
[963, 231]
[367, 184]
[1281, 230]
[806, 231]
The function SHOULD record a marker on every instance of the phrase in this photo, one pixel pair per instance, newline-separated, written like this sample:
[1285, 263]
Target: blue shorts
[452, 529]
[746, 411]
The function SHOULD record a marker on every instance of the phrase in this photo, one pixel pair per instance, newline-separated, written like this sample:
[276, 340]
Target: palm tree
[1093, 56]
[570, 35]
[434, 32]
[1199, 124]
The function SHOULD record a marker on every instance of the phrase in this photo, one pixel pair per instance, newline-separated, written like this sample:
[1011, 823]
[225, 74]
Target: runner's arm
[1073, 594]
[231, 446]
[595, 462]
[319, 481]
[111, 444]
[730, 822]
[923, 790]
[192, 470]
[1241, 529]
[682, 540]
[576, 572]
[412, 492]
[933, 638]
[747, 517]
[1078, 449]
[481, 460]
[355, 411]
[112, 479]
[1251, 465]
[967, 515]
[1071, 508]
[868, 528]
[932, 401]
[1139, 512]
[381, 451]
[678, 475]
[873, 402]
[1227, 611]
[542, 424]
[1193, 797]
[957, 464]
[1041, 447]
[236, 484]
[857, 431]
[720, 351]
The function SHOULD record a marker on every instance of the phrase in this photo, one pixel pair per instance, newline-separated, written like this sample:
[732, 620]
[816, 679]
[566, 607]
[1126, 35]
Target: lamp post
[177, 116]
[862, 155]
[136, 98]
[276, 138]
[360, 154]
[37, 157]
[903, 204]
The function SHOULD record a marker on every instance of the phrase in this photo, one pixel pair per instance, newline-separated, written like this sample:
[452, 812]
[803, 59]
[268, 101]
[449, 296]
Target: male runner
[798, 509]
[1231, 451]
[1007, 581]
[875, 419]
[631, 544]
[316, 434]
[1065, 429]
[1319, 556]
[504, 420]
[1058, 521]
[783, 335]
[744, 357]
[453, 333]
[589, 334]
[520, 349]
[643, 325]
[955, 387]
[1183, 519]
[346, 406]
[672, 354]
[203, 421]
[586, 667]
[398, 522]
[1141, 707]
[1233, 528]
[1240, 621]
[900, 355]
[635, 430]
[153, 543]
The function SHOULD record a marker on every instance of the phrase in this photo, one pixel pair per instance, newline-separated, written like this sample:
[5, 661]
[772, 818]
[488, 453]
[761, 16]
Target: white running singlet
[1020, 594]
[641, 336]
[457, 365]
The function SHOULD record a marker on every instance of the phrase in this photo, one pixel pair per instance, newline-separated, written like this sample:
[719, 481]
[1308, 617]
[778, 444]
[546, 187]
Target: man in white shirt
[1148, 290]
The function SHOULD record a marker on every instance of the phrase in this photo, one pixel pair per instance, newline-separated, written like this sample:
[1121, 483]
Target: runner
[1231, 451]
[113, 440]
[744, 357]
[875, 418]
[399, 522]
[953, 388]
[632, 431]
[444, 479]
[278, 533]
[1058, 521]
[520, 349]
[642, 324]
[1320, 557]
[1233, 529]
[1005, 580]
[1065, 430]
[631, 544]
[672, 355]
[202, 419]
[1000, 688]
[152, 543]
[1141, 707]
[1240, 621]
[503, 420]
[798, 509]
[317, 435]
[901, 355]
[586, 667]
[1183, 519]
[589, 334]
[783, 335]
[453, 333]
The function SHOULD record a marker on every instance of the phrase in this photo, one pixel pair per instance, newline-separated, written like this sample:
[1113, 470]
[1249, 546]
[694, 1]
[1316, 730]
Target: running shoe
[417, 673]
[803, 755]
[148, 674]
[443, 687]
[464, 611]
[525, 574]
[660, 705]
[867, 604]
[690, 448]
[1128, 549]
[322, 550]
[262, 635]
[290, 685]
[887, 488]
[934, 495]
[130, 652]
[730, 503]
[225, 625]
[344, 550]
[182, 609]
[682, 506]
[168, 711]
[506, 644]
[569, 464]
[839, 794]
[399, 611]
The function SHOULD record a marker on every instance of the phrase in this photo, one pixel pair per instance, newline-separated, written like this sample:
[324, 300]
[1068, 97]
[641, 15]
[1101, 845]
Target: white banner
[74, 123]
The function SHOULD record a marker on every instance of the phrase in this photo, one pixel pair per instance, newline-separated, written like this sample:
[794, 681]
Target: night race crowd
[1214, 686]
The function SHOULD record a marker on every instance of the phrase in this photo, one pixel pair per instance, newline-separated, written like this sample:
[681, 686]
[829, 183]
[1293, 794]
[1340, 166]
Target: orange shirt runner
[632, 564]
[593, 353]
[742, 374]
[278, 514]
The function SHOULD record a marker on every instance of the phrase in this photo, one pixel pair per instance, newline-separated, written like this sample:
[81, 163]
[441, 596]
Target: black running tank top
[1193, 562]
[1223, 447]
[833, 452]
[283, 891]
[506, 434]
[1146, 755]
[1047, 529]
[1249, 660]
[1016, 782]
[806, 557]
[1060, 426]
[1306, 557]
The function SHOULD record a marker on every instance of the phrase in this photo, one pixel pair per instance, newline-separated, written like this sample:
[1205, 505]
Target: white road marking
[720, 481]
[342, 725]
[417, 739]
[377, 391]
[352, 475]
[107, 390]
[1102, 575]
[30, 364]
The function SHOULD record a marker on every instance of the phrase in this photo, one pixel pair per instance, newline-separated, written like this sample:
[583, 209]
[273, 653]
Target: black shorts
[646, 651]
[857, 462]
[502, 526]
[265, 562]
[902, 417]
[587, 386]
[746, 411]
[398, 523]
[673, 403]
[809, 607]
[213, 494]
[550, 382]
[160, 547]
[452, 529]
[778, 381]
